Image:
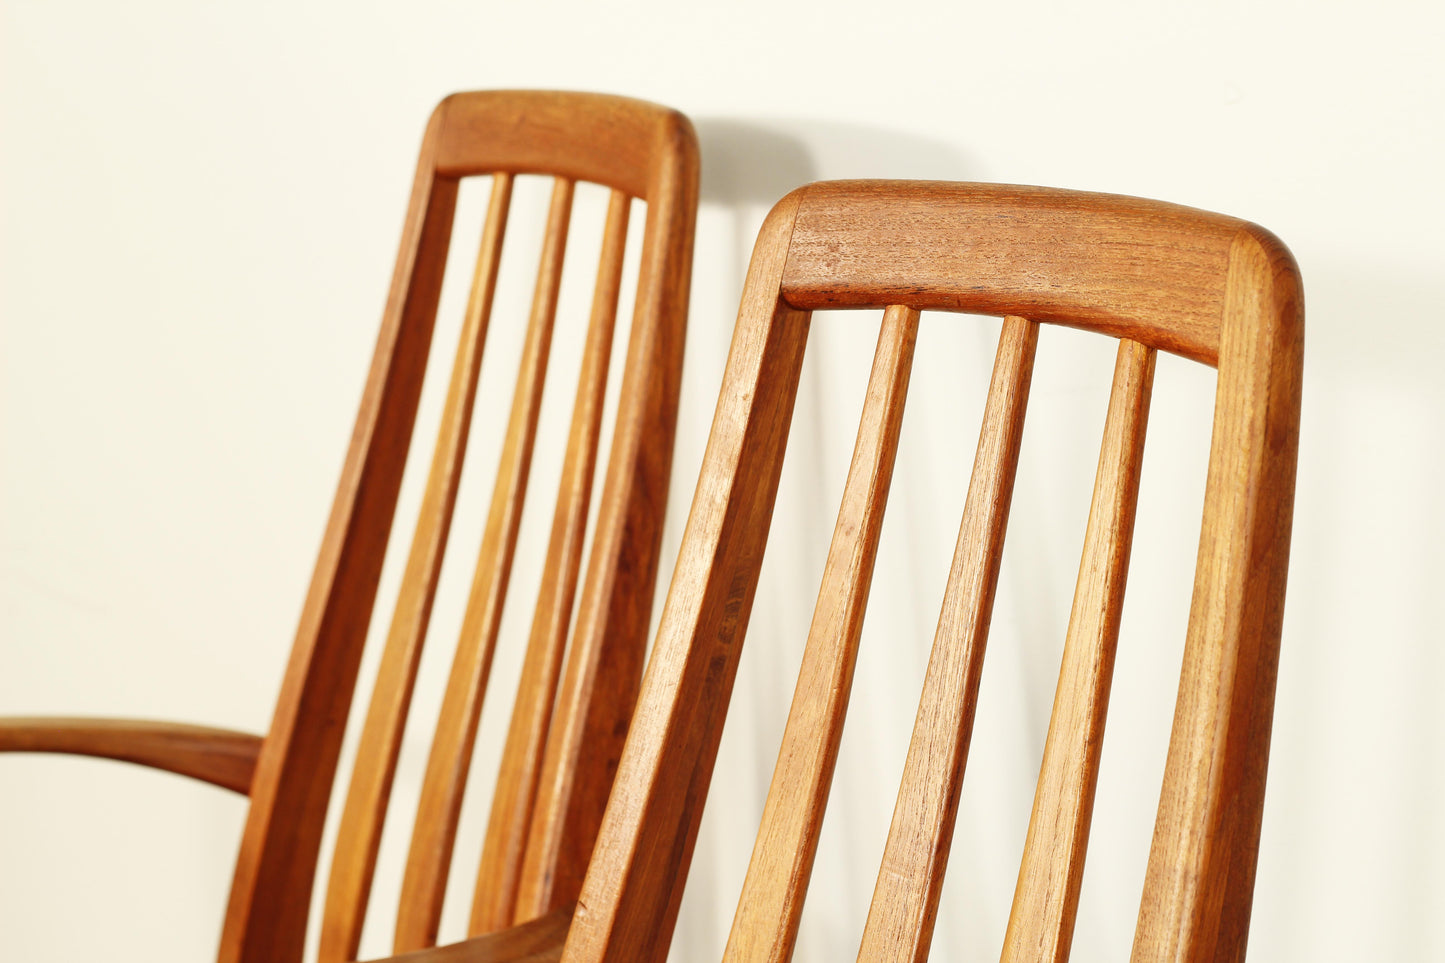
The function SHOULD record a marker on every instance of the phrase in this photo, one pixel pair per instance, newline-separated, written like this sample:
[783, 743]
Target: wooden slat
[366, 803]
[1041, 925]
[766, 925]
[905, 900]
[424, 883]
[494, 905]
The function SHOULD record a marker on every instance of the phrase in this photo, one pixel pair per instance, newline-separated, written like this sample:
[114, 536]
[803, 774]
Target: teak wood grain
[1158, 277]
[641, 152]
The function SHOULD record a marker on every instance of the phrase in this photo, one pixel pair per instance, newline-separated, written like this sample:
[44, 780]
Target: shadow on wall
[747, 162]
[1359, 709]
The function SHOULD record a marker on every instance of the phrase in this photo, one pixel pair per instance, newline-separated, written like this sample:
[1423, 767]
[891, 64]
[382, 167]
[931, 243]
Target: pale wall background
[201, 207]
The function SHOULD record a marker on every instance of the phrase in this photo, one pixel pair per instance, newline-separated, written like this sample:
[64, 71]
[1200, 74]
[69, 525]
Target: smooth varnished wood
[905, 899]
[599, 138]
[1123, 266]
[1046, 899]
[221, 757]
[1157, 276]
[766, 924]
[644, 153]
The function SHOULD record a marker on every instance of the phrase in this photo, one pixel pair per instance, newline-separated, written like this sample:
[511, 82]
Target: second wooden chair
[1155, 276]
[557, 765]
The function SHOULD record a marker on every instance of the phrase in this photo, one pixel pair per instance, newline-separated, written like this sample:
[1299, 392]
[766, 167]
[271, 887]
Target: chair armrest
[218, 756]
[537, 941]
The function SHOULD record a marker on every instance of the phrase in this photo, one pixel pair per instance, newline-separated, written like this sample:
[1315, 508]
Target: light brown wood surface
[1159, 277]
[646, 154]
[1128, 267]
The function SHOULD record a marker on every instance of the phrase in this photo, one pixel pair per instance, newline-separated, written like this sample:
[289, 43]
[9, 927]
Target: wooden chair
[1157, 277]
[547, 804]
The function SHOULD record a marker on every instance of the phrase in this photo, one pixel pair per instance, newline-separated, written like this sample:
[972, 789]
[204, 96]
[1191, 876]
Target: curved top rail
[1146, 270]
[616, 141]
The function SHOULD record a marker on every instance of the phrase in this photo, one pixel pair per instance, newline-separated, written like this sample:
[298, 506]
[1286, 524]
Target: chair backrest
[546, 810]
[1214, 289]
